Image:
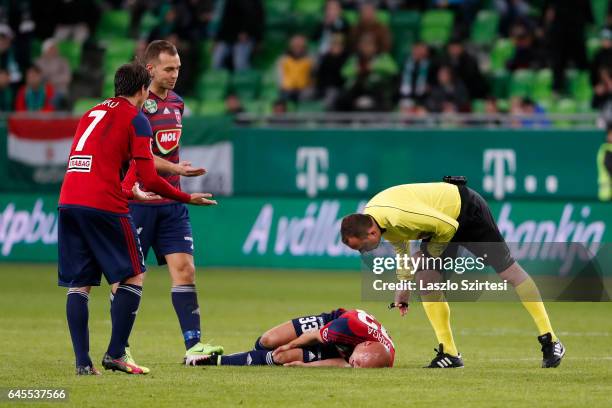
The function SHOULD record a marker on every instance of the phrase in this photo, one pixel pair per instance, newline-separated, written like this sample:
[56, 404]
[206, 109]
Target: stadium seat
[35, 48]
[405, 29]
[212, 107]
[593, 45]
[148, 22]
[253, 106]
[274, 45]
[309, 7]
[484, 29]
[436, 26]
[501, 53]
[579, 85]
[542, 85]
[310, 106]
[564, 106]
[600, 11]
[82, 105]
[117, 48]
[500, 83]
[478, 106]
[352, 16]
[521, 83]
[192, 105]
[212, 85]
[114, 23]
[71, 50]
[278, 13]
[246, 84]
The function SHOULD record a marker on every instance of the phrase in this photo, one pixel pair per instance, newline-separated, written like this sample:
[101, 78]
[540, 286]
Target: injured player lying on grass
[342, 338]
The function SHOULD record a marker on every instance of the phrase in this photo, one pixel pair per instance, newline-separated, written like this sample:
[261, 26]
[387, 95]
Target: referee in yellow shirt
[439, 213]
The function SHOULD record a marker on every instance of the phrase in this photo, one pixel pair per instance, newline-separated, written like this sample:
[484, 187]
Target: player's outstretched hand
[401, 301]
[143, 195]
[202, 199]
[185, 169]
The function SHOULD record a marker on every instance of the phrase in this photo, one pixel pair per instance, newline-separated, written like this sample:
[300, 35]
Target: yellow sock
[529, 294]
[438, 314]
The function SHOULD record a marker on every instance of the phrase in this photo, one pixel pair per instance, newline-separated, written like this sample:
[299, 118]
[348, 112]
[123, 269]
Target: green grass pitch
[498, 342]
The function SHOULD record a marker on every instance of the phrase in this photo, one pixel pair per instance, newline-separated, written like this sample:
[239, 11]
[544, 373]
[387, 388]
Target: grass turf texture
[498, 342]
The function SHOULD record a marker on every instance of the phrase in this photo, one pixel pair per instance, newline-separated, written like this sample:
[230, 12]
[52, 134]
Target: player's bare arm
[183, 168]
[332, 362]
[306, 339]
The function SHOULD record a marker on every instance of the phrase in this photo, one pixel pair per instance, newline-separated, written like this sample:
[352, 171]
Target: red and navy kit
[162, 224]
[95, 232]
[354, 327]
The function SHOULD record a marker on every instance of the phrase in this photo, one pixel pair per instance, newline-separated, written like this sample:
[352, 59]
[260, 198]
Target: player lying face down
[341, 338]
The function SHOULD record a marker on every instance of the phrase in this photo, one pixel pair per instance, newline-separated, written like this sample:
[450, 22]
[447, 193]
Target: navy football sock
[77, 314]
[259, 346]
[185, 302]
[112, 297]
[123, 314]
[253, 357]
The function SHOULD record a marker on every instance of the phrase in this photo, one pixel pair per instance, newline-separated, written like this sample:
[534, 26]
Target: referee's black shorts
[478, 232]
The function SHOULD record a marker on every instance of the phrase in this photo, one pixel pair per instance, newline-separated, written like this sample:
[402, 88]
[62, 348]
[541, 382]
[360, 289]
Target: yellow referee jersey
[416, 211]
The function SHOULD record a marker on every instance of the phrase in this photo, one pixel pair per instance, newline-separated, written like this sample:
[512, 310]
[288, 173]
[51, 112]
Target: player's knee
[184, 274]
[269, 340]
[135, 280]
[284, 357]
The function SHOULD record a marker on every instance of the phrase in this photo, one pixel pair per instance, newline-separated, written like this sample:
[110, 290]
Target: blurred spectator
[295, 70]
[465, 67]
[566, 22]
[193, 18]
[368, 24]
[531, 114]
[332, 25]
[35, 94]
[8, 61]
[449, 95]
[526, 53]
[602, 92]
[368, 77]
[233, 105]
[279, 107]
[240, 30]
[418, 75]
[18, 15]
[510, 12]
[6, 92]
[603, 57]
[55, 71]
[329, 71]
[76, 19]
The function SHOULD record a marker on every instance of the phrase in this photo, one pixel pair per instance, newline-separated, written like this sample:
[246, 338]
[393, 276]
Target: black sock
[253, 357]
[77, 314]
[123, 312]
[185, 302]
[112, 297]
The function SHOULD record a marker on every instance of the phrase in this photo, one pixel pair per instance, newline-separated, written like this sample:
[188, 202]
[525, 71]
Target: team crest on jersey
[177, 113]
[167, 140]
[150, 106]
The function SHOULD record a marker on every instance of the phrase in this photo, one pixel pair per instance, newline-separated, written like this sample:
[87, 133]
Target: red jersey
[165, 117]
[108, 136]
[354, 327]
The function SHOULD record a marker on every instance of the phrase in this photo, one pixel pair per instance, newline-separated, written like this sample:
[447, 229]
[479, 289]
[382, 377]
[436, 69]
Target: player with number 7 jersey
[96, 235]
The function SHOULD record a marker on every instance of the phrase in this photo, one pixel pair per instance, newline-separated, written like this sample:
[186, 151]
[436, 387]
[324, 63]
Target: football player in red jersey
[96, 235]
[164, 224]
[341, 338]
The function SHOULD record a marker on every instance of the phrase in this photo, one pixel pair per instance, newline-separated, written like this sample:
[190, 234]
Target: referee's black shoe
[445, 360]
[552, 351]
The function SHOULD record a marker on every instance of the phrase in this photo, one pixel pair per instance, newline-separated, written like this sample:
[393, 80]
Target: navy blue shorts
[165, 228]
[307, 324]
[92, 243]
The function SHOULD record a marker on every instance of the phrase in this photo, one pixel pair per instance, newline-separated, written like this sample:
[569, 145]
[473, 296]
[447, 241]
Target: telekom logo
[499, 166]
[312, 164]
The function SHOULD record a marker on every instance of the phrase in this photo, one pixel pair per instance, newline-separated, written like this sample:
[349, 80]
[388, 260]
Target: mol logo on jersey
[167, 140]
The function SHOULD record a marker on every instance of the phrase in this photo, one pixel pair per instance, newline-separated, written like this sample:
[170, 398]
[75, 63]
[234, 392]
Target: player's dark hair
[157, 47]
[355, 225]
[130, 78]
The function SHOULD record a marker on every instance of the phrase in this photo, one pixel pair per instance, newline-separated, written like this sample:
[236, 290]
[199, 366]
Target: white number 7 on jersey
[98, 115]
